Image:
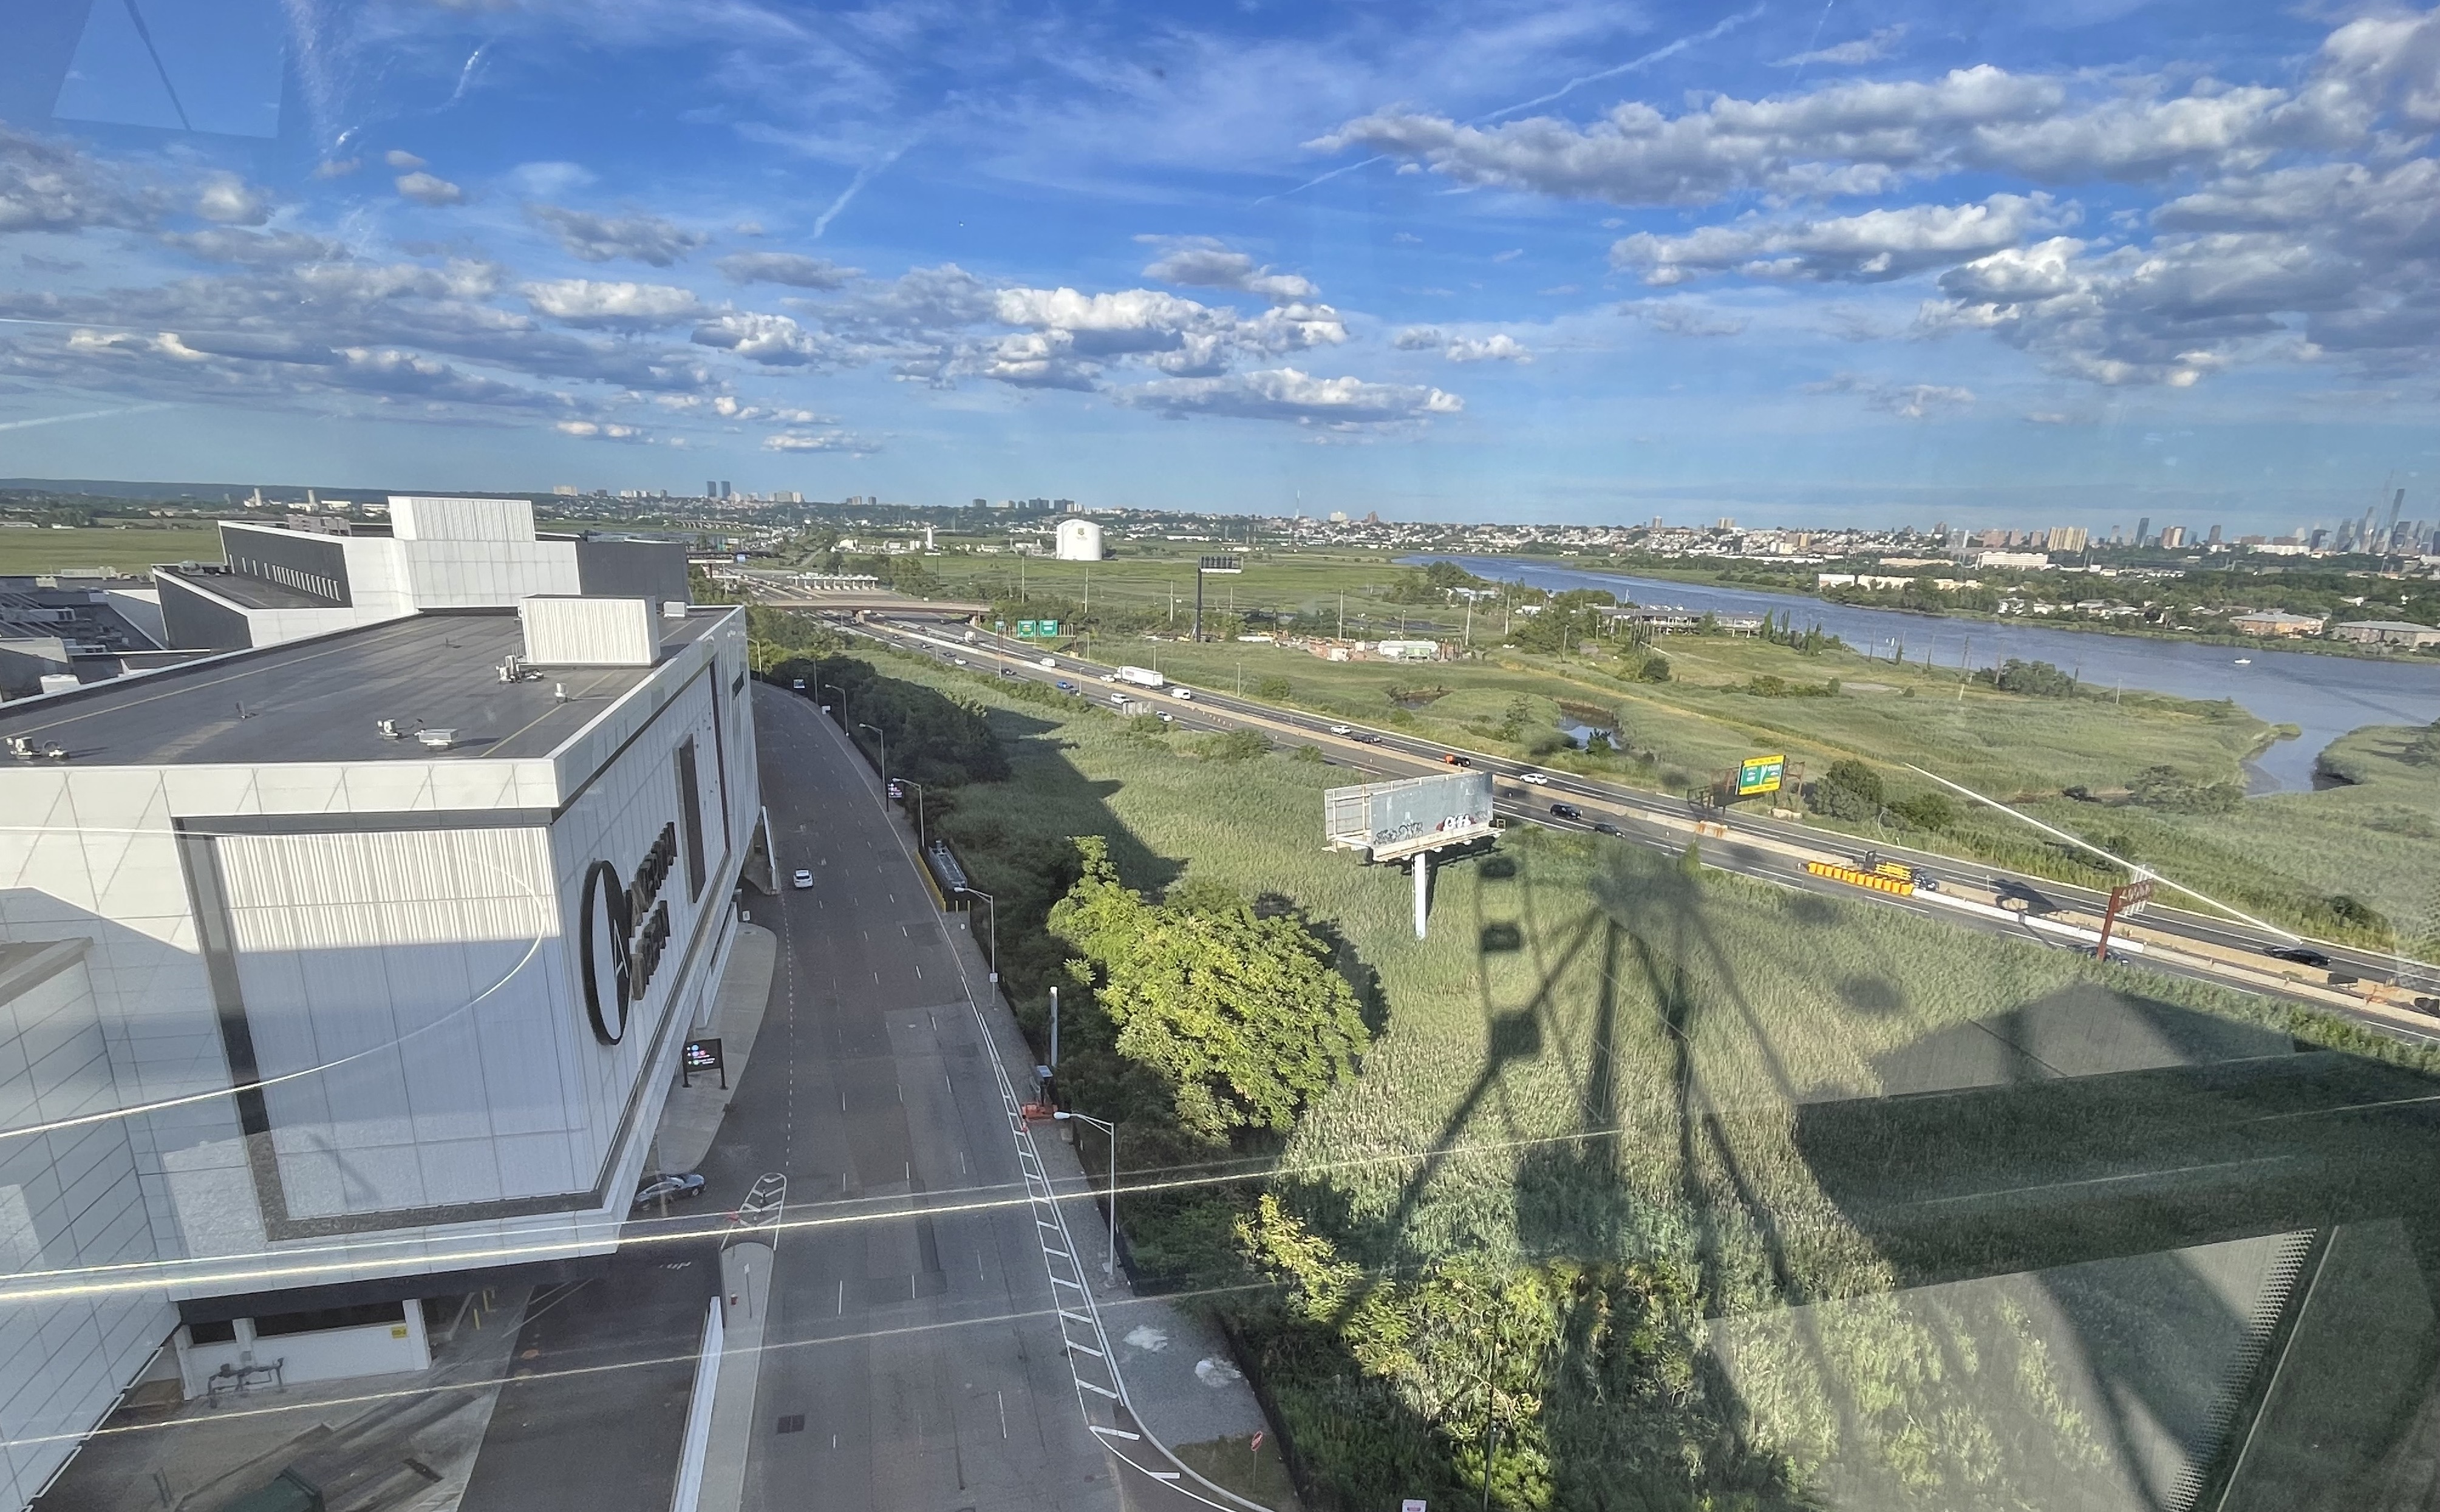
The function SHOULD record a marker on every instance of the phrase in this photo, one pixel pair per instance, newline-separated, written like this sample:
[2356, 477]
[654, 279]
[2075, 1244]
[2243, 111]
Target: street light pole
[1110, 1266]
[993, 904]
[922, 841]
[842, 693]
[878, 736]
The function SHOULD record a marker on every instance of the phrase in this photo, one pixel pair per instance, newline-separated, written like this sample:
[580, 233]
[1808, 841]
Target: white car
[802, 879]
[1109, 677]
[1181, 693]
[1535, 778]
[1342, 729]
[1049, 664]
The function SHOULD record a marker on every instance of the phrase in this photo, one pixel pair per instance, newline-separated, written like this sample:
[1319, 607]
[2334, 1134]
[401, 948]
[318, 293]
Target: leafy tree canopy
[1241, 1013]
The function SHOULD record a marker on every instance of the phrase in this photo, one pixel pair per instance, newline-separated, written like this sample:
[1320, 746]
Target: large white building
[337, 973]
[313, 576]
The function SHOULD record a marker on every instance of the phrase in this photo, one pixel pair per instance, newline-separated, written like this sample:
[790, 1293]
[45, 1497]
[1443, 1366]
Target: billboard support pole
[1422, 891]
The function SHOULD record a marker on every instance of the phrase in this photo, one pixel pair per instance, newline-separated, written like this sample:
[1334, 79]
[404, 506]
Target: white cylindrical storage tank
[1079, 541]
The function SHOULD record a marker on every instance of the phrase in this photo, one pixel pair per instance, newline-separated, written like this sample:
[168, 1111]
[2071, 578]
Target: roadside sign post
[703, 1055]
[2127, 900]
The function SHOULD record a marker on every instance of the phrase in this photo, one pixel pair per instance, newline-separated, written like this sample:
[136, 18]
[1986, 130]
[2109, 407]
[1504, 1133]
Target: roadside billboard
[1760, 774]
[1392, 820]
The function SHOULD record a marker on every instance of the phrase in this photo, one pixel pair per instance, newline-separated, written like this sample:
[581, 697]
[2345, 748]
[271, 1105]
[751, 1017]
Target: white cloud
[599, 430]
[1844, 138]
[1286, 393]
[592, 238]
[843, 441]
[1202, 262]
[1872, 48]
[49, 185]
[2170, 314]
[1498, 347]
[231, 201]
[425, 190]
[623, 306]
[330, 167]
[773, 340]
[1866, 248]
[1908, 400]
[1869, 138]
[791, 268]
[256, 248]
[1683, 317]
[405, 162]
[548, 179]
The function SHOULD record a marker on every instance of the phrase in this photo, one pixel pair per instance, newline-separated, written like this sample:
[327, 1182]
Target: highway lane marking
[2102, 1180]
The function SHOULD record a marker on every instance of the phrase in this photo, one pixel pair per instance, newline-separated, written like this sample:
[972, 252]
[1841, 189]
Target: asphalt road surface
[910, 1359]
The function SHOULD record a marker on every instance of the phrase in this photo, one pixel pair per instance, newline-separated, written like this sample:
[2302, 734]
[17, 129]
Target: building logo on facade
[619, 955]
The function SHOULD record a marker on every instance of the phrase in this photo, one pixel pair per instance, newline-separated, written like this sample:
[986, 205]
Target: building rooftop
[244, 589]
[317, 700]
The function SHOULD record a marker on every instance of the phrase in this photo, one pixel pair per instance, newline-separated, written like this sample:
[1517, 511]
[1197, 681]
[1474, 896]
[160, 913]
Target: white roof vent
[672, 609]
[437, 739]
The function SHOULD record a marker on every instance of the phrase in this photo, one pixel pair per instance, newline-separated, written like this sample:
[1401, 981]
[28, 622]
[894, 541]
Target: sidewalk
[1183, 1385]
[690, 1118]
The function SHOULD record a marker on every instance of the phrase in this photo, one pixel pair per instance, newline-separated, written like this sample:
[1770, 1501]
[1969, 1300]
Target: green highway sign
[1046, 627]
[1760, 774]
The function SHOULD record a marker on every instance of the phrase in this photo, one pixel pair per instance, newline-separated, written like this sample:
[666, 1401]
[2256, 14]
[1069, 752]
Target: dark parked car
[2301, 955]
[1565, 811]
[675, 1186]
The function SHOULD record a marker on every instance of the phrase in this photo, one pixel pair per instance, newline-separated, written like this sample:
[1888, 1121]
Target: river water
[2323, 696]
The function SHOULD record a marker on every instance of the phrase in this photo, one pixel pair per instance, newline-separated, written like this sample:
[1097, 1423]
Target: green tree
[1241, 1013]
[1274, 690]
[2424, 750]
[1849, 790]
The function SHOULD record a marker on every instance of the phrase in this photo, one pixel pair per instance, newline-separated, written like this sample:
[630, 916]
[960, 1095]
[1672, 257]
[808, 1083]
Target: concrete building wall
[69, 1200]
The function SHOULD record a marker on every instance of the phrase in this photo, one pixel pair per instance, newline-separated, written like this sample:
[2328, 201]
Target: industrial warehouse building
[339, 971]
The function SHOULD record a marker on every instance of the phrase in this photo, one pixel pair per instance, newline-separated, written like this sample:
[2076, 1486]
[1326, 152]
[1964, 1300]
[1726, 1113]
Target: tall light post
[973, 892]
[920, 840]
[833, 687]
[885, 760]
[1110, 1266]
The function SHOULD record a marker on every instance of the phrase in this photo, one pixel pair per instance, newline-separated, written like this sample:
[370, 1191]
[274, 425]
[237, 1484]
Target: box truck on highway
[1141, 676]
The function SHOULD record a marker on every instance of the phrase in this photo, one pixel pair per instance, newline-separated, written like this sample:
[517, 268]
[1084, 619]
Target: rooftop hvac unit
[437, 739]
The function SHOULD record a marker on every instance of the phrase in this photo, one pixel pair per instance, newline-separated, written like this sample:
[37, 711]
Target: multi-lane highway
[2356, 983]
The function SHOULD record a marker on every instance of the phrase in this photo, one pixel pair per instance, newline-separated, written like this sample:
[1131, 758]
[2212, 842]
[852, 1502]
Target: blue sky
[1594, 262]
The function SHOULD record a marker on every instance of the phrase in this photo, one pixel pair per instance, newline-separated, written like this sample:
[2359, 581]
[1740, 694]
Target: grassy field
[1700, 721]
[2375, 837]
[1599, 1059]
[130, 549]
[1153, 575]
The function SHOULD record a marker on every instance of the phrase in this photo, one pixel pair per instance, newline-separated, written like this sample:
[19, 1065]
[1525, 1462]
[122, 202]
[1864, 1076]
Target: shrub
[2037, 679]
[1926, 811]
[1850, 790]
[1277, 690]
